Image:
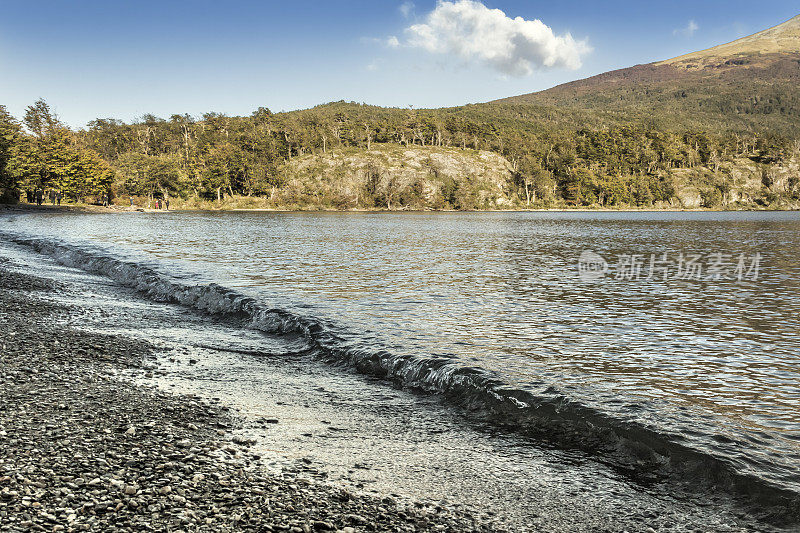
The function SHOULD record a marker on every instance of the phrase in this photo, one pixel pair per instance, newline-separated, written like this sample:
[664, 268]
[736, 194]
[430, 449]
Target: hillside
[744, 86]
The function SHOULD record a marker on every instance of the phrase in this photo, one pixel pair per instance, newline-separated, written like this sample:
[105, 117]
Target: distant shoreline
[90, 208]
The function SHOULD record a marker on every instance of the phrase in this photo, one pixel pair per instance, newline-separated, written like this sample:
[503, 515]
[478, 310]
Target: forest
[558, 157]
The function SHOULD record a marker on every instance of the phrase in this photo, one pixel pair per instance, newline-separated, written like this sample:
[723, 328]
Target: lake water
[693, 379]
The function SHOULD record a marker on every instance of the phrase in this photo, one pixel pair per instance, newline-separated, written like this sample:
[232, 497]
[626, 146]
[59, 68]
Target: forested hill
[718, 128]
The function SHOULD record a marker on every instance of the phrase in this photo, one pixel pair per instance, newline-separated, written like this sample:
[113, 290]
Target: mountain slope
[781, 39]
[748, 85]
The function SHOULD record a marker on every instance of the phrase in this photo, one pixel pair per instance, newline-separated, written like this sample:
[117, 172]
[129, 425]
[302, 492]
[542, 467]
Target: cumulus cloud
[393, 42]
[688, 31]
[473, 32]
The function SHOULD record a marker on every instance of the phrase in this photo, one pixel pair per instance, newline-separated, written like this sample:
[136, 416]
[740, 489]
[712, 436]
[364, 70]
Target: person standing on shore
[166, 203]
[59, 195]
[52, 195]
[39, 196]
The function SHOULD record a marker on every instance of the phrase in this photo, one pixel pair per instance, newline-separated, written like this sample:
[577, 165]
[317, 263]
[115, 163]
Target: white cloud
[407, 9]
[471, 31]
[393, 42]
[688, 31]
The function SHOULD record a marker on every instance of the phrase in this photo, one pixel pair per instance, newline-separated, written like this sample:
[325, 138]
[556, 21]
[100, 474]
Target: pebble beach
[83, 450]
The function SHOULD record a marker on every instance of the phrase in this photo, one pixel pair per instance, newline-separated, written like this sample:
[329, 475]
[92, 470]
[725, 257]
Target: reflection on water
[713, 361]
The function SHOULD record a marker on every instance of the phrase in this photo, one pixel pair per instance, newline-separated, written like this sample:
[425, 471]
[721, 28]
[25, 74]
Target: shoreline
[90, 208]
[82, 449]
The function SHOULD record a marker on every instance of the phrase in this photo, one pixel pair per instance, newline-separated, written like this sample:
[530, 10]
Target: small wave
[642, 453]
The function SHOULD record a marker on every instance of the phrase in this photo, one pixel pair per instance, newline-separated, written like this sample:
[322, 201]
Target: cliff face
[740, 184]
[397, 177]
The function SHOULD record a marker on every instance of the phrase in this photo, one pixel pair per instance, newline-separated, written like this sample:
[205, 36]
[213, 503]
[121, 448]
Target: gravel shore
[82, 449]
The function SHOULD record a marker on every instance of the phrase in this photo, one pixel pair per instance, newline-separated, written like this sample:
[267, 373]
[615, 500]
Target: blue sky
[118, 59]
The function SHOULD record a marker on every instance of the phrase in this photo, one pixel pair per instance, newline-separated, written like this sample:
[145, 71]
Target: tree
[144, 175]
[580, 186]
[85, 174]
[9, 145]
[52, 158]
[40, 120]
[41, 156]
[535, 179]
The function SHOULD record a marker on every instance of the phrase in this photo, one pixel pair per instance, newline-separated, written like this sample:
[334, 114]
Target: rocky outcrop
[743, 183]
[397, 177]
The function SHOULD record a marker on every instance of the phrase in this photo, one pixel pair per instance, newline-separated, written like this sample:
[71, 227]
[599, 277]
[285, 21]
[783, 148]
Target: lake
[664, 344]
